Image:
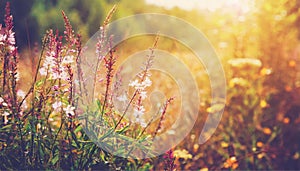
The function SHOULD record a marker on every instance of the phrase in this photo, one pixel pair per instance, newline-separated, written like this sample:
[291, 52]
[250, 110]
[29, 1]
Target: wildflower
[48, 63]
[5, 115]
[184, 154]
[69, 110]
[21, 93]
[56, 105]
[2, 102]
[2, 37]
[139, 111]
[141, 86]
[169, 160]
[43, 71]
[143, 95]
[146, 83]
[68, 59]
[122, 98]
[134, 83]
[141, 121]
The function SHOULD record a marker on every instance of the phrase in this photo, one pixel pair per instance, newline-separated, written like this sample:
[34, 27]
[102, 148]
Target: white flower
[147, 82]
[11, 38]
[134, 83]
[21, 93]
[68, 59]
[69, 110]
[43, 71]
[2, 38]
[138, 112]
[56, 105]
[122, 98]
[143, 95]
[5, 114]
[141, 121]
[2, 102]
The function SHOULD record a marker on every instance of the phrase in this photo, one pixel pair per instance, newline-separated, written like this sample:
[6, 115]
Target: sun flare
[241, 6]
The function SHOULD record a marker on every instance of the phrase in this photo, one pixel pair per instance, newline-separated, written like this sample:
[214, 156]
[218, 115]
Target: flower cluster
[57, 59]
[7, 36]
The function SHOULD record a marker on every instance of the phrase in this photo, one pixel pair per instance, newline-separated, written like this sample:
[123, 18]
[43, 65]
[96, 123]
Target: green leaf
[54, 159]
[107, 134]
[39, 82]
[75, 139]
[124, 129]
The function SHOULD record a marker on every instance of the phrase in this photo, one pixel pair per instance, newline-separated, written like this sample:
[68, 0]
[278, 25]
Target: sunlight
[238, 6]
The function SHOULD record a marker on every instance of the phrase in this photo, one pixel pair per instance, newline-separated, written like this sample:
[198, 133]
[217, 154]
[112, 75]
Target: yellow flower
[184, 154]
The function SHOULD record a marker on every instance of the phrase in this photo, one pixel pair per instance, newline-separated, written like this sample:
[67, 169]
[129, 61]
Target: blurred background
[258, 44]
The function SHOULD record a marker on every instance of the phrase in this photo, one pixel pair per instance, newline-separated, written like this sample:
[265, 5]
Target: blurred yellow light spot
[238, 81]
[215, 108]
[265, 71]
[245, 62]
[267, 131]
[224, 144]
[204, 169]
[263, 104]
[231, 163]
[196, 147]
[260, 155]
[292, 63]
[259, 144]
[286, 120]
[193, 136]
[288, 88]
[296, 156]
